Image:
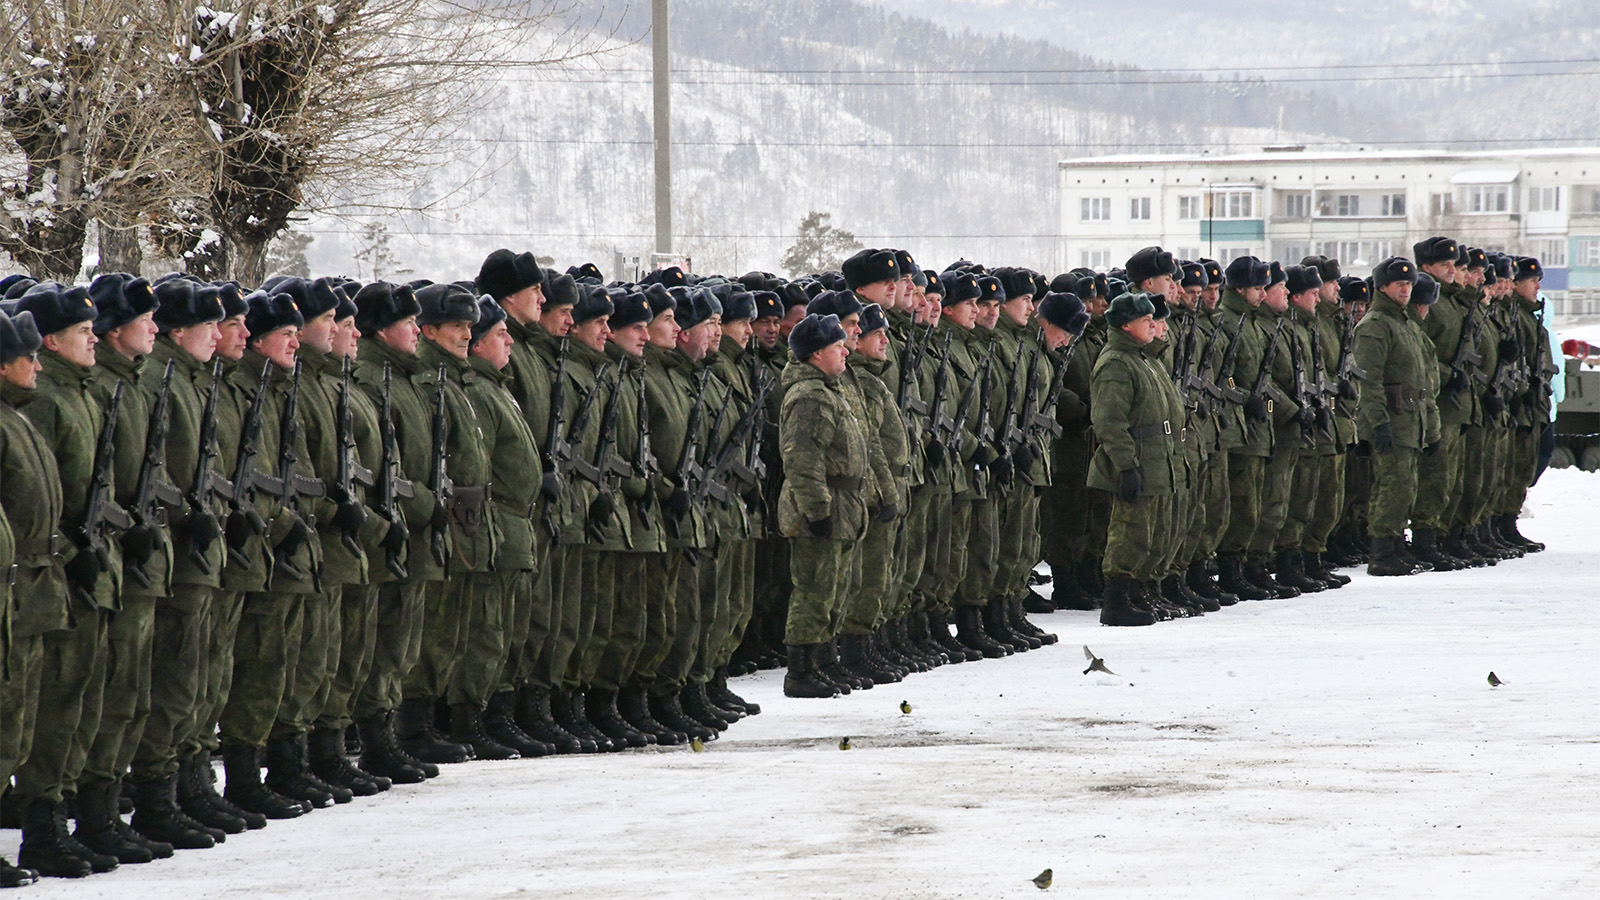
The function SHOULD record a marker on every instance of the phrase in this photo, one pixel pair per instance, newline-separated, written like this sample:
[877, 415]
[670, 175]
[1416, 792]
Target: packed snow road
[1340, 744]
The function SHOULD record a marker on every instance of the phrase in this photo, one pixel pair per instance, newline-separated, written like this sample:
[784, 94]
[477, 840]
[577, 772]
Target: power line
[1091, 70]
[1017, 145]
[644, 235]
[749, 78]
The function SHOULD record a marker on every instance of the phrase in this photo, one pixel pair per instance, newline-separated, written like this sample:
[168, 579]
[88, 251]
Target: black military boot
[1477, 537]
[1231, 578]
[1120, 607]
[854, 659]
[665, 708]
[1508, 527]
[1383, 560]
[903, 634]
[1261, 578]
[1200, 582]
[1037, 603]
[697, 706]
[1021, 625]
[1176, 588]
[96, 808]
[1508, 549]
[241, 765]
[1317, 566]
[466, 727]
[1090, 579]
[1425, 547]
[825, 667]
[500, 724]
[971, 634]
[419, 737]
[602, 712]
[156, 815]
[634, 705]
[723, 696]
[887, 644]
[289, 773]
[328, 762]
[535, 718]
[997, 625]
[1402, 549]
[939, 632]
[833, 666]
[1068, 592]
[194, 799]
[158, 849]
[800, 680]
[1291, 572]
[381, 754]
[1459, 546]
[14, 876]
[570, 713]
[46, 847]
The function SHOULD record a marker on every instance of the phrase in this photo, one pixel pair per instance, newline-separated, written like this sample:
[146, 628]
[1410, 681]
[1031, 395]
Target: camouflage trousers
[490, 605]
[1394, 491]
[1483, 455]
[19, 699]
[1329, 504]
[1439, 480]
[912, 549]
[358, 640]
[1138, 536]
[125, 701]
[630, 621]
[397, 642]
[660, 586]
[682, 577]
[71, 684]
[821, 572]
[1277, 480]
[939, 560]
[735, 565]
[446, 609]
[1246, 485]
[269, 632]
[864, 608]
[218, 626]
[1305, 487]
[1017, 548]
[177, 683]
[313, 661]
[1521, 459]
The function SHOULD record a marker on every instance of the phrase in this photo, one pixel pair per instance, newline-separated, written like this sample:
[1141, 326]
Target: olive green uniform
[1398, 391]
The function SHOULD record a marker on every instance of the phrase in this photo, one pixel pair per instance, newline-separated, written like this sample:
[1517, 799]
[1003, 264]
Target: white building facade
[1359, 207]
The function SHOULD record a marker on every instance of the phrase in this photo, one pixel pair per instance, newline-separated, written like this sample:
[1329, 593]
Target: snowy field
[1336, 745]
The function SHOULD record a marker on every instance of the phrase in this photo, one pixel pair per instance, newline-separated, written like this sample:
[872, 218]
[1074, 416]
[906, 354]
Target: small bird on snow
[905, 707]
[1042, 880]
[844, 743]
[1494, 680]
[1096, 664]
[697, 745]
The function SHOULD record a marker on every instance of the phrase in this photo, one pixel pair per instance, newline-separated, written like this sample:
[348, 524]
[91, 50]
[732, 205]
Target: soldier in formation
[341, 534]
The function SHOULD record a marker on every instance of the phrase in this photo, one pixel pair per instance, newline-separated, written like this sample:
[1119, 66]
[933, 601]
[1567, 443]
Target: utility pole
[661, 81]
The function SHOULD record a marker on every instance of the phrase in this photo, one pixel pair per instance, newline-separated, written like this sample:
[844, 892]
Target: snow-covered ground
[1336, 745]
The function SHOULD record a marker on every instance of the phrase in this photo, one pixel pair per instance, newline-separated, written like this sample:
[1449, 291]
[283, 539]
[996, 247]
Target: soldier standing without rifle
[1396, 414]
[125, 325]
[164, 766]
[35, 594]
[75, 650]
[822, 507]
[459, 539]
[394, 379]
[1061, 318]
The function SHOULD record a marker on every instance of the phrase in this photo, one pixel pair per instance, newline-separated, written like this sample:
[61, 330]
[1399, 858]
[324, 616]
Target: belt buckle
[1269, 404]
[1183, 434]
[1166, 426]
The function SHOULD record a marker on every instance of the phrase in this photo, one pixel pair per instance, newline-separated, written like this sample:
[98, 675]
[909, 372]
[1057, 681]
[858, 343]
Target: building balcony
[1232, 230]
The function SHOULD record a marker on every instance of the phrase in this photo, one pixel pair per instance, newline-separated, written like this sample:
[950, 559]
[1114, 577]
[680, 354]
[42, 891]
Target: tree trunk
[246, 260]
[119, 248]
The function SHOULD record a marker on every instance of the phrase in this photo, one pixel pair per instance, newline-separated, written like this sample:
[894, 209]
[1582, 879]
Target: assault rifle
[611, 467]
[911, 405]
[941, 431]
[1230, 393]
[645, 465]
[243, 518]
[728, 459]
[1467, 355]
[690, 472]
[1014, 421]
[568, 461]
[349, 471]
[709, 486]
[979, 385]
[1264, 377]
[438, 472]
[1348, 372]
[152, 493]
[390, 486]
[203, 526]
[100, 510]
[555, 448]
[292, 484]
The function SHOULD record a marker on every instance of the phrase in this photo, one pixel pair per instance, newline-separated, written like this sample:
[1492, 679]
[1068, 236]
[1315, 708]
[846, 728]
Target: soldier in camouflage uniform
[1528, 343]
[1339, 392]
[1314, 419]
[1247, 442]
[1440, 480]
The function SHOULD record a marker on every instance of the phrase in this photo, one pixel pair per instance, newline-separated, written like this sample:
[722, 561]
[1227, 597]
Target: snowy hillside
[1336, 745]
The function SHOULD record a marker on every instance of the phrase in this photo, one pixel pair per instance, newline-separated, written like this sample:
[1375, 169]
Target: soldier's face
[1056, 338]
[1306, 301]
[525, 304]
[199, 341]
[830, 359]
[874, 345]
[1018, 309]
[279, 345]
[631, 338]
[1161, 284]
[1142, 329]
[791, 318]
[22, 371]
[964, 314]
[663, 330]
[345, 335]
[556, 320]
[694, 341]
[1329, 292]
[593, 333]
[495, 346]
[452, 337]
[1097, 305]
[1442, 272]
[232, 337]
[988, 314]
[1277, 297]
[767, 331]
[915, 298]
[739, 330]
[318, 333]
[1209, 295]
[1190, 297]
[932, 309]
[879, 292]
[852, 331]
[74, 344]
[1398, 291]
[135, 339]
[1253, 295]
[1158, 329]
[713, 331]
[401, 336]
[1528, 289]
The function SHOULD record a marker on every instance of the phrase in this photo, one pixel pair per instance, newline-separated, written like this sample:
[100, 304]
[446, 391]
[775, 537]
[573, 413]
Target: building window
[1231, 205]
[1099, 260]
[1297, 206]
[1394, 204]
[1189, 208]
[1440, 204]
[1229, 254]
[1139, 209]
[1192, 254]
[1486, 198]
[1544, 199]
[1551, 252]
[1356, 254]
[1587, 252]
[1291, 254]
[1095, 209]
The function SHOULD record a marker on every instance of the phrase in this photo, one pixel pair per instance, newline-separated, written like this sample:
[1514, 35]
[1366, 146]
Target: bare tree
[286, 255]
[818, 245]
[305, 105]
[375, 259]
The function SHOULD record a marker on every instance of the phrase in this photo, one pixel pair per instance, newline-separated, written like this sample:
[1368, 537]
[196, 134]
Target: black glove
[440, 519]
[1493, 405]
[677, 503]
[1347, 391]
[934, 454]
[1306, 416]
[1363, 450]
[350, 517]
[602, 509]
[1002, 470]
[550, 486]
[203, 527]
[1508, 348]
[984, 456]
[1431, 449]
[295, 539]
[139, 544]
[1255, 408]
[84, 569]
[889, 513]
[240, 530]
[394, 540]
[1383, 438]
[1022, 457]
[1132, 486]
[1324, 418]
[822, 528]
[1457, 382]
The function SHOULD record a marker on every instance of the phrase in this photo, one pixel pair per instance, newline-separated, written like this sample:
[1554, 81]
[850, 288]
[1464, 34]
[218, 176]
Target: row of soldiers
[347, 533]
[1236, 431]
